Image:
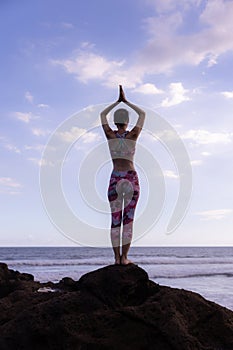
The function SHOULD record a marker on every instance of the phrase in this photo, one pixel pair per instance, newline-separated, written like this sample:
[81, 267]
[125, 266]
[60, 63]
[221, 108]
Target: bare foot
[117, 261]
[125, 261]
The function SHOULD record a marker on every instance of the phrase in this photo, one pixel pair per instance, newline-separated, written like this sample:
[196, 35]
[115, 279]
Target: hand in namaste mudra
[121, 95]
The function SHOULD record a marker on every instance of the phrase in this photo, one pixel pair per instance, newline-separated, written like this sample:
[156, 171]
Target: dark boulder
[116, 307]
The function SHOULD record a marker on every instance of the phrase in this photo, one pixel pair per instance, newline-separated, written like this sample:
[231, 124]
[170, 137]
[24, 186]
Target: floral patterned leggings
[123, 194]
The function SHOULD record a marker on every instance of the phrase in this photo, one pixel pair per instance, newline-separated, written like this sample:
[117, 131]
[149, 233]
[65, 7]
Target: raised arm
[103, 117]
[141, 114]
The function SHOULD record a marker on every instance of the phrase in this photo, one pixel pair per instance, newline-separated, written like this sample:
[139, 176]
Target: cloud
[87, 138]
[170, 44]
[177, 95]
[40, 132]
[212, 61]
[170, 174]
[196, 162]
[162, 6]
[172, 41]
[227, 94]
[148, 89]
[42, 105]
[217, 214]
[205, 137]
[38, 148]
[9, 146]
[29, 97]
[128, 77]
[206, 154]
[87, 45]
[25, 117]
[9, 182]
[87, 66]
[12, 148]
[40, 162]
[72, 135]
[91, 137]
[9, 186]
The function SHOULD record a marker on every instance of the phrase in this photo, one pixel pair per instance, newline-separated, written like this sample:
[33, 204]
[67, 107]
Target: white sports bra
[120, 147]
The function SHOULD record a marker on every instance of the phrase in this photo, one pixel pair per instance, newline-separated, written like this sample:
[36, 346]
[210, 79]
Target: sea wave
[105, 261]
[56, 262]
[194, 275]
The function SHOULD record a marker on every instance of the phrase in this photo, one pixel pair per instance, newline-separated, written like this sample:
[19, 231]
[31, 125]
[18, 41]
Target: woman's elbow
[142, 114]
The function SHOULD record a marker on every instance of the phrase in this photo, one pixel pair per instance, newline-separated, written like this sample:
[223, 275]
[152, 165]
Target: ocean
[205, 270]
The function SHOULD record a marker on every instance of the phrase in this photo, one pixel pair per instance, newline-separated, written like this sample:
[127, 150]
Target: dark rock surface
[116, 307]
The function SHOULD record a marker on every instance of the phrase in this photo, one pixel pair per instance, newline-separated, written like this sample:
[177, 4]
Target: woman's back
[122, 150]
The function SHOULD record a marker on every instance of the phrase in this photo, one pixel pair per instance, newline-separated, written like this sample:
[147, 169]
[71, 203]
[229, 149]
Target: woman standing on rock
[123, 191]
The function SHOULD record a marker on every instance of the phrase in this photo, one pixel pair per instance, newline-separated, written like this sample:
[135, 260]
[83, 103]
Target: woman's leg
[116, 229]
[126, 242]
[130, 203]
[115, 201]
[115, 238]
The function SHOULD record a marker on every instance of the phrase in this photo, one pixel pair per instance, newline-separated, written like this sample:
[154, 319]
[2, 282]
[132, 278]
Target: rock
[8, 274]
[11, 280]
[3, 271]
[115, 307]
[68, 283]
[120, 285]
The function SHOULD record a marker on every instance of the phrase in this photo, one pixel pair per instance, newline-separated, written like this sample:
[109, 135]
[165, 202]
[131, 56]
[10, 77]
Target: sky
[64, 58]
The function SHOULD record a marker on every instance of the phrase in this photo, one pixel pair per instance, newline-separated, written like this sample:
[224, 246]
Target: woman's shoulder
[133, 134]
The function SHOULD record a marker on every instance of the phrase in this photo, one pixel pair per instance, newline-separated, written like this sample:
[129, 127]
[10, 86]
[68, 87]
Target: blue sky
[175, 58]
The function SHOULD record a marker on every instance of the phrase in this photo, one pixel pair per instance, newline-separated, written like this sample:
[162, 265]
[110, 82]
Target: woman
[123, 191]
